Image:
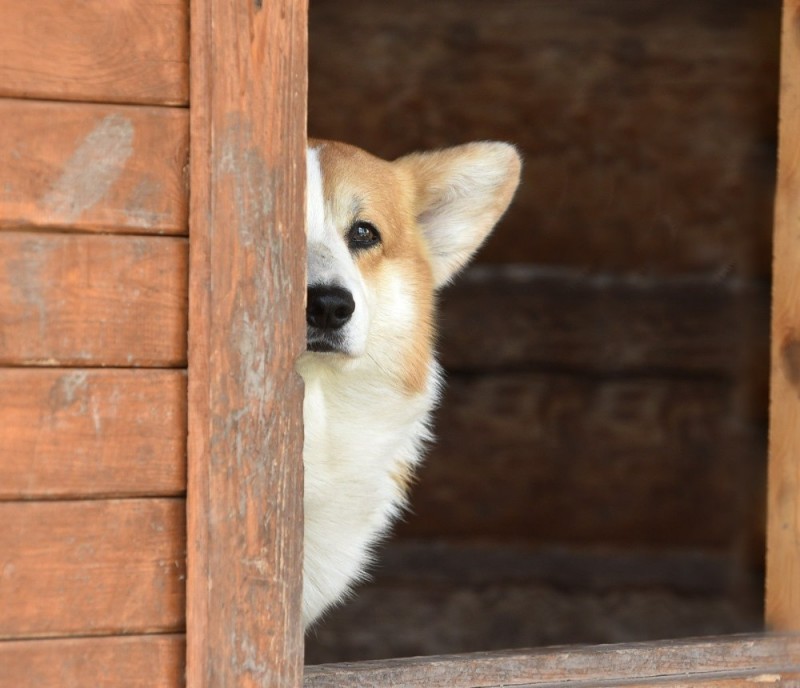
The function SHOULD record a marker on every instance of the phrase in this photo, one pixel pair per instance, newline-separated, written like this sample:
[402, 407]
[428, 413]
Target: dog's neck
[363, 438]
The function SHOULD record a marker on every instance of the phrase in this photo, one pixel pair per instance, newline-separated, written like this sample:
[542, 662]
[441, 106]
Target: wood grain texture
[155, 661]
[68, 299]
[647, 128]
[783, 532]
[522, 318]
[98, 168]
[645, 461]
[684, 662]
[127, 51]
[247, 327]
[84, 432]
[92, 567]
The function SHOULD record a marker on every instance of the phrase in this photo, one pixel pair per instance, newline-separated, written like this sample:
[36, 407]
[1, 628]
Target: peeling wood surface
[98, 168]
[247, 327]
[734, 660]
[647, 128]
[84, 432]
[92, 567]
[69, 299]
[134, 661]
[128, 51]
[783, 532]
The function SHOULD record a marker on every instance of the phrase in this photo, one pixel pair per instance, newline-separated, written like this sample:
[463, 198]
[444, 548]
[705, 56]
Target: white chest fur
[361, 433]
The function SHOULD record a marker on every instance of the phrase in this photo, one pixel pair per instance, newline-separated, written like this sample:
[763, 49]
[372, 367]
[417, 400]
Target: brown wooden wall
[607, 356]
[93, 308]
[613, 343]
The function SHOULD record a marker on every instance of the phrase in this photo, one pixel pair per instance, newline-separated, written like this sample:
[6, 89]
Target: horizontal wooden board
[130, 51]
[560, 458]
[84, 432]
[103, 168]
[647, 128]
[92, 300]
[155, 661]
[92, 567]
[437, 597]
[757, 660]
[498, 319]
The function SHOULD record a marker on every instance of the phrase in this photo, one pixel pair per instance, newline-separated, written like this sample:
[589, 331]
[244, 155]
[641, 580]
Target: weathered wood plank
[781, 679]
[498, 319]
[90, 567]
[783, 531]
[686, 662]
[73, 433]
[561, 458]
[155, 661]
[245, 518]
[98, 168]
[647, 127]
[88, 300]
[129, 51]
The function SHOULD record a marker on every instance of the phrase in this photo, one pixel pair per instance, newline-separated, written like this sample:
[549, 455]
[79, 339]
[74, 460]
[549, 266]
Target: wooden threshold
[772, 660]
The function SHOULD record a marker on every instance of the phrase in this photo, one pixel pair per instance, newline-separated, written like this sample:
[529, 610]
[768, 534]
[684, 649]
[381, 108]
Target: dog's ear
[461, 193]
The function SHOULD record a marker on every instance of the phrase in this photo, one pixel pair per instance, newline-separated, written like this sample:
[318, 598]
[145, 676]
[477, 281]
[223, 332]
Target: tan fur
[367, 188]
[404, 476]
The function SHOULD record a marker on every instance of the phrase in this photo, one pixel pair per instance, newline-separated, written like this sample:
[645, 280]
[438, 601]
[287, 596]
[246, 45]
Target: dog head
[383, 236]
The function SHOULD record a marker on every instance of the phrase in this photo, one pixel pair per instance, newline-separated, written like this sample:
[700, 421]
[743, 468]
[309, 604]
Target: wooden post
[783, 537]
[246, 327]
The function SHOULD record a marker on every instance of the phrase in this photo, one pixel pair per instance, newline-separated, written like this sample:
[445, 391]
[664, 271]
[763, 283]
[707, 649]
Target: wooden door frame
[247, 289]
[246, 328]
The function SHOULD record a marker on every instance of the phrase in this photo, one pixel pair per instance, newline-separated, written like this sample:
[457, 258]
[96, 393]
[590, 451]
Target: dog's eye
[362, 235]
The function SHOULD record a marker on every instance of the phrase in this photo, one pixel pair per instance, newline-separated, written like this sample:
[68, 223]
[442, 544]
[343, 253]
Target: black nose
[329, 308]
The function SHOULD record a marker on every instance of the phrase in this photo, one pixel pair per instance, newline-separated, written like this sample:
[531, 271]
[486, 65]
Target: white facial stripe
[315, 199]
[330, 262]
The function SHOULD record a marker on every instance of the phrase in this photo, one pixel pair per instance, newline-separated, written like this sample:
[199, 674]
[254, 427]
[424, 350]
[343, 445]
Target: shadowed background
[600, 465]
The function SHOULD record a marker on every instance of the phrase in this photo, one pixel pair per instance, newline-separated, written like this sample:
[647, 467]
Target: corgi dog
[382, 238]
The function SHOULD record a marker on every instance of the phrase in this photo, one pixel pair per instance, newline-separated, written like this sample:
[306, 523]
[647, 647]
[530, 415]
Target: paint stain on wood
[68, 389]
[92, 169]
[244, 165]
[140, 205]
[26, 277]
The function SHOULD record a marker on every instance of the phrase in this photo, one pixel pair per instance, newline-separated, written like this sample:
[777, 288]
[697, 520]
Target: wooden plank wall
[93, 312]
[633, 263]
[607, 358]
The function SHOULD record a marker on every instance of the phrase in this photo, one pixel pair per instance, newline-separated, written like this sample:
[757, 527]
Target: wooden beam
[81, 300]
[92, 567]
[97, 168]
[783, 533]
[247, 326]
[127, 51]
[133, 661]
[81, 432]
[735, 660]
[561, 320]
